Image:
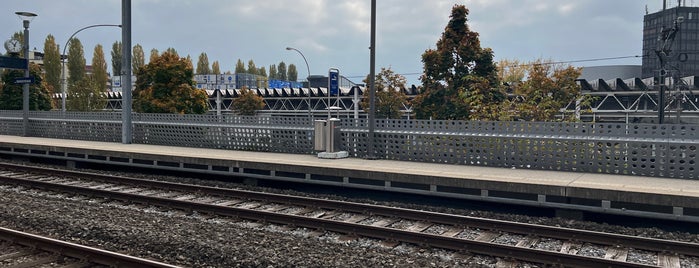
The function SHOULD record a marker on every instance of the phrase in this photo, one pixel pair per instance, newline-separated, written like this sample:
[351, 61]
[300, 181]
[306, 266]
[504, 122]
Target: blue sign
[13, 63]
[334, 78]
[24, 80]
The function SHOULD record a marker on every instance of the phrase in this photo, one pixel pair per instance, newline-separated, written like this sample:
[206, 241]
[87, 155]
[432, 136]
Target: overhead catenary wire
[532, 64]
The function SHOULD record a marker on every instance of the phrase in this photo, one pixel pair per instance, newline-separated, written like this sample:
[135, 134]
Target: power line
[575, 61]
[531, 64]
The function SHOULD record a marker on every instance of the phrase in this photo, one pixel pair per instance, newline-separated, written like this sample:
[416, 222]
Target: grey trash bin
[333, 138]
[319, 135]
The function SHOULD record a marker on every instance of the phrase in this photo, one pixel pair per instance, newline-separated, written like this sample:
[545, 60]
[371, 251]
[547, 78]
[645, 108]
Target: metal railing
[668, 150]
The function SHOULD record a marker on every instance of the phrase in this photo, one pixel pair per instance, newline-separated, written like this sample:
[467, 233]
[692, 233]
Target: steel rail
[651, 244]
[76, 251]
[451, 243]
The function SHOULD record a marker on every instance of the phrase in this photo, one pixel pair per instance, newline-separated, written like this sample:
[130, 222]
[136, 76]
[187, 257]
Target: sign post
[333, 87]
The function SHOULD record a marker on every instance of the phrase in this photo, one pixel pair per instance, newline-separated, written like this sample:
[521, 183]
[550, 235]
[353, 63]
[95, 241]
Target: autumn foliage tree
[390, 98]
[52, 64]
[457, 74]
[547, 89]
[248, 102]
[165, 85]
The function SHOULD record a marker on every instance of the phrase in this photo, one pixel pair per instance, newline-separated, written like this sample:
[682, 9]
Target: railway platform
[569, 193]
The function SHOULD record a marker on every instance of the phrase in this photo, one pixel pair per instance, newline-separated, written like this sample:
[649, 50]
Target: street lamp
[26, 18]
[63, 62]
[308, 78]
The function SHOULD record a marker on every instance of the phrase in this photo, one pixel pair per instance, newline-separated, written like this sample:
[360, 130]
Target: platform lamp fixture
[63, 61]
[308, 79]
[26, 17]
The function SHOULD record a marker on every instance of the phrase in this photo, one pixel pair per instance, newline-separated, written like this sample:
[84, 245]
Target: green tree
[153, 55]
[248, 102]
[203, 64]
[390, 98]
[137, 59]
[252, 69]
[76, 61]
[454, 68]
[273, 72]
[281, 72]
[215, 68]
[116, 58]
[240, 67]
[262, 72]
[99, 69]
[293, 74]
[11, 94]
[86, 95]
[165, 85]
[52, 64]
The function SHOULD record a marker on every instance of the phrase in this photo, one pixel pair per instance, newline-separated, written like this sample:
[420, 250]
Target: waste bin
[333, 139]
[319, 135]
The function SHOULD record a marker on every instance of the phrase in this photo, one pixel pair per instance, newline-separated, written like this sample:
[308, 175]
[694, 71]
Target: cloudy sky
[337, 33]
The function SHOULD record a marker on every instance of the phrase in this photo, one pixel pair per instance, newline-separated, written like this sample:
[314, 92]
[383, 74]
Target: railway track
[19, 249]
[510, 241]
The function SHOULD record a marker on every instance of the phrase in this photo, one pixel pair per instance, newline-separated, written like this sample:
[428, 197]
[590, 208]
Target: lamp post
[26, 18]
[372, 87]
[63, 62]
[308, 78]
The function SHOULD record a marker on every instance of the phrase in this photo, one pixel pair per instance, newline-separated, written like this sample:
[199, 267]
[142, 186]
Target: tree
[240, 67]
[165, 85]
[116, 58]
[512, 71]
[76, 61]
[153, 55]
[248, 102]
[215, 68]
[281, 71]
[273, 72]
[203, 64]
[262, 72]
[11, 93]
[252, 69]
[99, 69]
[548, 88]
[137, 59]
[172, 50]
[457, 66]
[188, 59]
[390, 98]
[292, 73]
[52, 64]
[86, 95]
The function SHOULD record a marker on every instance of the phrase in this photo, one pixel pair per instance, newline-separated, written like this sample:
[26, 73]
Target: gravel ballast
[198, 241]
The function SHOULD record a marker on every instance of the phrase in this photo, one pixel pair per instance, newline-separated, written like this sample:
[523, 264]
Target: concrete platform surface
[673, 193]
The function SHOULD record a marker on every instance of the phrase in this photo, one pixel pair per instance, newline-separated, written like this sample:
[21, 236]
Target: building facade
[676, 31]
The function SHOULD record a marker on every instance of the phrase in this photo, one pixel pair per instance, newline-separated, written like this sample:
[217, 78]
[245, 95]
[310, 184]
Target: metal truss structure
[636, 100]
[288, 101]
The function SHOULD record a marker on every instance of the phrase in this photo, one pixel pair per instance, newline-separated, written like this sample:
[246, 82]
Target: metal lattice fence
[631, 149]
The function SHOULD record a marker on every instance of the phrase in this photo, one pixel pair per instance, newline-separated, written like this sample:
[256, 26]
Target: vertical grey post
[372, 71]
[25, 87]
[126, 131]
